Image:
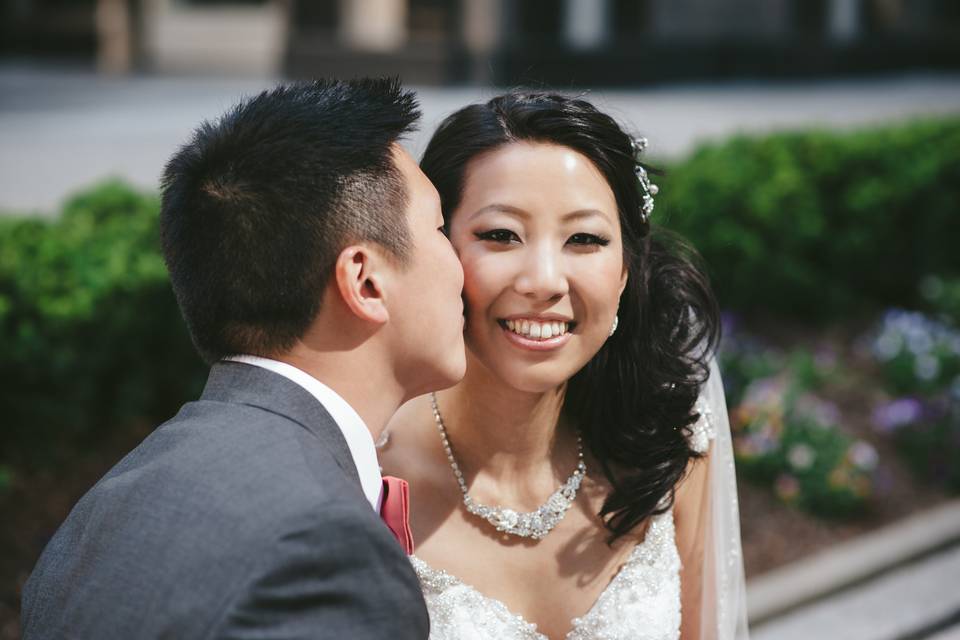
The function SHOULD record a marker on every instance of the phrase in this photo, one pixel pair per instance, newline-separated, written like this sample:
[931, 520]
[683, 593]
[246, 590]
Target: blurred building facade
[561, 42]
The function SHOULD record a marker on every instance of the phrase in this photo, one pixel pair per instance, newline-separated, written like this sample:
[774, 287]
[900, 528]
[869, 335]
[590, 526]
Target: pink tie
[395, 510]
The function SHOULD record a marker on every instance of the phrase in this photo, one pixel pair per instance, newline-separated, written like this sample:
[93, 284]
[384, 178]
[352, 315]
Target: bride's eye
[588, 239]
[501, 236]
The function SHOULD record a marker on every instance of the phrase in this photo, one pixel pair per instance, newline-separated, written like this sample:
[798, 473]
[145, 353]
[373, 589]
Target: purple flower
[763, 442]
[915, 333]
[890, 416]
[887, 346]
[926, 367]
[765, 392]
[863, 455]
[824, 413]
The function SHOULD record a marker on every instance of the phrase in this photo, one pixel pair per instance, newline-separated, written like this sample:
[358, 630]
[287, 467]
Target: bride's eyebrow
[580, 214]
[497, 207]
[502, 208]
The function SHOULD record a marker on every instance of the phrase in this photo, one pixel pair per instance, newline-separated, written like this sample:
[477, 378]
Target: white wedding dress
[642, 602]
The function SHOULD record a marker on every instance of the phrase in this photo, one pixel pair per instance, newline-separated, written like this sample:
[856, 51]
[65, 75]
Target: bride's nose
[542, 275]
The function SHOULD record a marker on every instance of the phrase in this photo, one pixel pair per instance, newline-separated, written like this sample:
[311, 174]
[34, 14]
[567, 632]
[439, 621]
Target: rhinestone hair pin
[648, 189]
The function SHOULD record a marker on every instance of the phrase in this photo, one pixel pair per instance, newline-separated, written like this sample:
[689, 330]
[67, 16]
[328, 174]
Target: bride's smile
[537, 333]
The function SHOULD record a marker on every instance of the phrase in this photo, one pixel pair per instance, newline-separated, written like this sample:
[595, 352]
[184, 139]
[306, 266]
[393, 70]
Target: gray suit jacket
[241, 517]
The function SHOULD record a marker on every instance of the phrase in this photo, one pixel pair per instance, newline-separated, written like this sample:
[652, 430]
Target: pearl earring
[613, 329]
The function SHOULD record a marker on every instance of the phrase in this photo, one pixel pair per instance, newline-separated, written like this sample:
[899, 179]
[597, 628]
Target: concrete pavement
[853, 563]
[919, 600]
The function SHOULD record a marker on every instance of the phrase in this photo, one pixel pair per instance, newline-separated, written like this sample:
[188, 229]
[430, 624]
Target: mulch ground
[774, 534]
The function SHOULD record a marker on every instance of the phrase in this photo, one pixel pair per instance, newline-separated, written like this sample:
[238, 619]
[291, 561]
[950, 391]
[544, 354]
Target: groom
[304, 251]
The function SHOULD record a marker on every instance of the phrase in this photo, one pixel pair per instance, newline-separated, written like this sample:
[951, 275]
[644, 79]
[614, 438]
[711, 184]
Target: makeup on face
[537, 231]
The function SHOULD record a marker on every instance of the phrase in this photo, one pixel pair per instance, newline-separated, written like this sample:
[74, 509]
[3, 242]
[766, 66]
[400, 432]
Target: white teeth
[537, 330]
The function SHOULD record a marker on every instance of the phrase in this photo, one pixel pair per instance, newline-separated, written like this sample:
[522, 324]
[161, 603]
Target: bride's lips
[536, 344]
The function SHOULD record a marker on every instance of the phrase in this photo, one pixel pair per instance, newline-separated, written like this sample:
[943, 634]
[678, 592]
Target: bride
[578, 483]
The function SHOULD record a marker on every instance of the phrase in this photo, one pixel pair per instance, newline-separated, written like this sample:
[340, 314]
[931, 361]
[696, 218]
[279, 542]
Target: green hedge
[90, 332]
[820, 224]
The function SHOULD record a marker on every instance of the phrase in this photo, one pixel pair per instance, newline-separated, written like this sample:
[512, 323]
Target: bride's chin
[522, 378]
[502, 362]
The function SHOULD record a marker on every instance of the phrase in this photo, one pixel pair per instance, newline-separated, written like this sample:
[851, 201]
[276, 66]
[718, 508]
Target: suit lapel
[246, 384]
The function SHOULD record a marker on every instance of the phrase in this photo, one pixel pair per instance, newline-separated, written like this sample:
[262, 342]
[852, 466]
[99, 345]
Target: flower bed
[788, 437]
[830, 442]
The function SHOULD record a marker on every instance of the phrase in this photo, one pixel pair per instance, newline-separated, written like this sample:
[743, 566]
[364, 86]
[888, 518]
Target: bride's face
[538, 234]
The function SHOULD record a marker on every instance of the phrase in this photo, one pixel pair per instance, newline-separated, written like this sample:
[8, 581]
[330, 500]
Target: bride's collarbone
[566, 571]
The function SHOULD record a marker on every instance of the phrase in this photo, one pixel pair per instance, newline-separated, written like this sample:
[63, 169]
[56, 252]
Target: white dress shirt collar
[355, 432]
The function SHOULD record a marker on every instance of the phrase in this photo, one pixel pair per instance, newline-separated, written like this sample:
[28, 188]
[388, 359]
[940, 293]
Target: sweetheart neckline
[576, 623]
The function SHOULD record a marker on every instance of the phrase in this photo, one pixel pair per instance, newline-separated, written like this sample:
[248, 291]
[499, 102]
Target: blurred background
[811, 151]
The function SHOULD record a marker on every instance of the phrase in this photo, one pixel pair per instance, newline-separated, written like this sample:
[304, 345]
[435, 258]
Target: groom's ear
[359, 276]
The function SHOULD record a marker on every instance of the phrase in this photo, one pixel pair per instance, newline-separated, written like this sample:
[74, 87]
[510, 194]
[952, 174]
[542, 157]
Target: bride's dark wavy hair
[634, 401]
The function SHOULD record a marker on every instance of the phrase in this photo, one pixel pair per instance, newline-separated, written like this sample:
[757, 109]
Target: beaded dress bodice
[642, 602]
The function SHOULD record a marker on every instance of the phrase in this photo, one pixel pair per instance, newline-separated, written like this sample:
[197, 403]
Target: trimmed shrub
[90, 331]
[817, 225]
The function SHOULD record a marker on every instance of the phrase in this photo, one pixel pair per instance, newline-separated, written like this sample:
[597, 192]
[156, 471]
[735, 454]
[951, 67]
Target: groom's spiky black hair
[257, 206]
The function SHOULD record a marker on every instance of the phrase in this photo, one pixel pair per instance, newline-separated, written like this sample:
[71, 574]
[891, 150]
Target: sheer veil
[723, 612]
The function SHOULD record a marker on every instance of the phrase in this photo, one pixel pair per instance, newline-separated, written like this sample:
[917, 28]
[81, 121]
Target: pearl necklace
[534, 524]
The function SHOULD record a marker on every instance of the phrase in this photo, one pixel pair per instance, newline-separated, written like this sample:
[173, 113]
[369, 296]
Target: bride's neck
[506, 433]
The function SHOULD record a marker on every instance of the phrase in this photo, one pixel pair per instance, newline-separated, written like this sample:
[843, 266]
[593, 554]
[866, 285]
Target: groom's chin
[444, 378]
